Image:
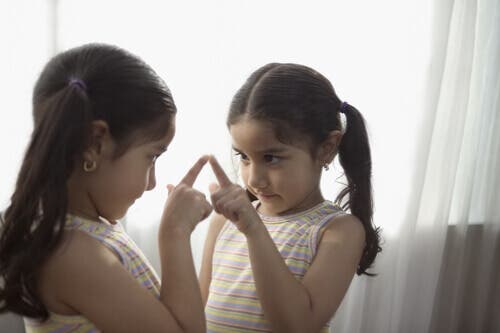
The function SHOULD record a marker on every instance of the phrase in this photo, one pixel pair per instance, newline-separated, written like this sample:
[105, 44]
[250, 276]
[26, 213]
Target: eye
[241, 156]
[271, 159]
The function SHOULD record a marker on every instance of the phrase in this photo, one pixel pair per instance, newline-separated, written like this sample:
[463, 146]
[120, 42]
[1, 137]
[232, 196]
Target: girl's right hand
[231, 200]
[185, 206]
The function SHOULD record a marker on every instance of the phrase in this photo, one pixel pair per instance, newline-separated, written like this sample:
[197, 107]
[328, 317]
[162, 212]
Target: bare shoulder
[77, 255]
[329, 276]
[344, 228]
[218, 220]
[75, 250]
[216, 224]
[83, 277]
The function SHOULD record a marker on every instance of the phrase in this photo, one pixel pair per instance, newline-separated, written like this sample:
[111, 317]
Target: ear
[99, 141]
[329, 147]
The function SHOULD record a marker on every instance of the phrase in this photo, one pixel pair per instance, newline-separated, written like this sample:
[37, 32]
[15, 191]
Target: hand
[185, 206]
[231, 200]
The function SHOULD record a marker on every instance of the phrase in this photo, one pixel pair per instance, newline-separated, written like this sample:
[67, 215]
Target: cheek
[124, 189]
[142, 179]
[298, 176]
[244, 173]
[131, 181]
[286, 180]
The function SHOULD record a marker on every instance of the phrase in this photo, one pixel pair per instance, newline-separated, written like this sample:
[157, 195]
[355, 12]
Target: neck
[79, 201]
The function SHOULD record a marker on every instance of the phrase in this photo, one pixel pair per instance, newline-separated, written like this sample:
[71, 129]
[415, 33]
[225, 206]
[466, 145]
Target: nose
[151, 179]
[257, 177]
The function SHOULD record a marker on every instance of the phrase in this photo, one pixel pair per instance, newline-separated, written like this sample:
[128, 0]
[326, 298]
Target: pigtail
[355, 159]
[35, 218]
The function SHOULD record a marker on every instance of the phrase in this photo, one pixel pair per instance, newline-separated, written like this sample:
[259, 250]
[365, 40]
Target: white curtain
[425, 74]
[440, 273]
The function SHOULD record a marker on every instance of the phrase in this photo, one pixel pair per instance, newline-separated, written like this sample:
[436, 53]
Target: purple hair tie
[343, 107]
[79, 83]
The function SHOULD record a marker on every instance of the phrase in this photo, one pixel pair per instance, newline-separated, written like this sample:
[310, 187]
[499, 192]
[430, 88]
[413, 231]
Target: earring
[89, 166]
[326, 166]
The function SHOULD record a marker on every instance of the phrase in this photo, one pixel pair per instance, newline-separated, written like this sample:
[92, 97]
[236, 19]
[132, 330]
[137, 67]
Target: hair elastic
[343, 107]
[79, 83]
[343, 117]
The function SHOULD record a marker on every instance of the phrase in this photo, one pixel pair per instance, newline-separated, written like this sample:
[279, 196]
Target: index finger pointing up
[190, 177]
[221, 176]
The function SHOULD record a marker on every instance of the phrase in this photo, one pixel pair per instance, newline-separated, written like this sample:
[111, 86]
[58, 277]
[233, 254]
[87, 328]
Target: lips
[265, 196]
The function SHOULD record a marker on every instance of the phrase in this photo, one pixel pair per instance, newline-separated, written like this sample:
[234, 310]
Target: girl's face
[116, 183]
[283, 177]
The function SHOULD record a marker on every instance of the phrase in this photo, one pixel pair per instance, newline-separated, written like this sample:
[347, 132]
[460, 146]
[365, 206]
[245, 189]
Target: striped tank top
[233, 304]
[116, 239]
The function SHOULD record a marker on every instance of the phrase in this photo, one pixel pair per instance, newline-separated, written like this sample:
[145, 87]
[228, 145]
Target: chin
[115, 216]
[270, 208]
[120, 216]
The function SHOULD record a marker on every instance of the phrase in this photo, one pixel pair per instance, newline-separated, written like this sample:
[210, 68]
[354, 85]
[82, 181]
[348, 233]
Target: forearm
[180, 291]
[285, 301]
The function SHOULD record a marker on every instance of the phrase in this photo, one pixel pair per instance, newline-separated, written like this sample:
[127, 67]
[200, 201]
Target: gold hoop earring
[89, 166]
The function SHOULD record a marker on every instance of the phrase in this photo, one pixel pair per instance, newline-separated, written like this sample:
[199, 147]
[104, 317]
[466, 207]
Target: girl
[284, 263]
[101, 119]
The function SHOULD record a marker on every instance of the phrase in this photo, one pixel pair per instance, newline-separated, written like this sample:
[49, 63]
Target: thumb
[170, 188]
[213, 187]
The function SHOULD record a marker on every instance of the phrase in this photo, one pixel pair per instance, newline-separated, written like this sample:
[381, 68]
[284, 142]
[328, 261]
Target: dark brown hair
[301, 104]
[76, 87]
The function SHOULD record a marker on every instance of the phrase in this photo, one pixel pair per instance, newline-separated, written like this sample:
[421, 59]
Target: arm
[184, 209]
[291, 305]
[84, 277]
[180, 291]
[216, 224]
[305, 306]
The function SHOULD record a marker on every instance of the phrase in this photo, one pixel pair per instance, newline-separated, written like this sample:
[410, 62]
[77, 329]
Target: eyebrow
[273, 150]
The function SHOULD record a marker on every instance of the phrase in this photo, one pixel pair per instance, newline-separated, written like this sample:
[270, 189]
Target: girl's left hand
[231, 200]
